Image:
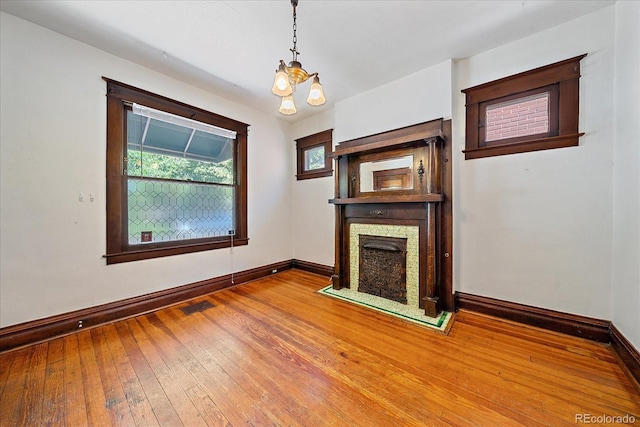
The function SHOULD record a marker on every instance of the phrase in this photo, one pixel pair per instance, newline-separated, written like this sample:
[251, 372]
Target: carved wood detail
[426, 205]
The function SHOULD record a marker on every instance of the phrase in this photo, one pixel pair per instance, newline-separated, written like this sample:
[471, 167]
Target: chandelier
[289, 76]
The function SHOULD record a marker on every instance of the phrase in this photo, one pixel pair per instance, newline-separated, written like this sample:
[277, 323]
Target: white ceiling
[232, 47]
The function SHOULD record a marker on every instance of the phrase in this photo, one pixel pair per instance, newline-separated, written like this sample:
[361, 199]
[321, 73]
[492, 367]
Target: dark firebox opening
[382, 267]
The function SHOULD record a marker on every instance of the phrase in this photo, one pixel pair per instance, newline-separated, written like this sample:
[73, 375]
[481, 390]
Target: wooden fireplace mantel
[422, 198]
[423, 132]
[425, 203]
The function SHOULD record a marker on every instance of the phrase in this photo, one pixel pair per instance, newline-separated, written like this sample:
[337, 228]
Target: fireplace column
[431, 300]
[433, 186]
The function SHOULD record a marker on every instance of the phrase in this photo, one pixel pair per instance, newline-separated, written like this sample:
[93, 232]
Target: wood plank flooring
[274, 352]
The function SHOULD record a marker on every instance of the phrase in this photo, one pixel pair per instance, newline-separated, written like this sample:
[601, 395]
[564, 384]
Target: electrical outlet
[274, 271]
[79, 323]
[232, 232]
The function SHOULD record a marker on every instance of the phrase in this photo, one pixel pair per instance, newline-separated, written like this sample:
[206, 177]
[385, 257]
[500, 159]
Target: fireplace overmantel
[406, 136]
[399, 178]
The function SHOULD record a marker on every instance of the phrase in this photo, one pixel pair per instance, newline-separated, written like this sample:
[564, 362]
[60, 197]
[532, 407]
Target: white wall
[313, 215]
[625, 280]
[52, 147]
[535, 228]
[416, 98]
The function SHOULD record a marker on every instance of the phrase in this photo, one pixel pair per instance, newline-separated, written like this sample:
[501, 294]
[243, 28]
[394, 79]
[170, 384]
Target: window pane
[187, 140]
[519, 117]
[161, 211]
[153, 165]
[314, 158]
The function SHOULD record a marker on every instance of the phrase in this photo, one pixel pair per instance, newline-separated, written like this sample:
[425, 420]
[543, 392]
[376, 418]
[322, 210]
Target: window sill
[120, 257]
[315, 174]
[561, 141]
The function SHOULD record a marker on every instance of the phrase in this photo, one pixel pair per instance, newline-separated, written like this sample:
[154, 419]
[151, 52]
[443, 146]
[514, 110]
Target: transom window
[176, 182]
[534, 110]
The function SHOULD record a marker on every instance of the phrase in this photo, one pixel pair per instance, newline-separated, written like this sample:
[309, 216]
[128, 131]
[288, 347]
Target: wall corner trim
[312, 267]
[629, 356]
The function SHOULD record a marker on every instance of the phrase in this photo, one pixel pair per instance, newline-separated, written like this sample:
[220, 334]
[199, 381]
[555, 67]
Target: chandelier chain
[295, 37]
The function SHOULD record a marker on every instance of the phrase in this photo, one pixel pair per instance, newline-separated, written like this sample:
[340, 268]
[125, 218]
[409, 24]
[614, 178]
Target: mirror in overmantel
[387, 175]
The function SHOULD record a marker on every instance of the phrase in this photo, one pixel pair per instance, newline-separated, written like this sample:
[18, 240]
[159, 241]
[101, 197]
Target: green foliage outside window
[314, 158]
[152, 165]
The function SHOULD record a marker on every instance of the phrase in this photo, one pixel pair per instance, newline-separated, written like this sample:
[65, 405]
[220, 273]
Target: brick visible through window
[530, 111]
[518, 117]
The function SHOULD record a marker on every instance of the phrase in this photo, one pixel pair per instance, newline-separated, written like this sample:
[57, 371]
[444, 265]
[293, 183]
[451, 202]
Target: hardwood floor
[274, 352]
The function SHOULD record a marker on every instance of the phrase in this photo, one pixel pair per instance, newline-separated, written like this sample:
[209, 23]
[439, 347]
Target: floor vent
[196, 307]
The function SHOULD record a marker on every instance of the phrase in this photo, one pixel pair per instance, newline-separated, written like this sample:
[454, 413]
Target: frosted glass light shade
[281, 85]
[287, 106]
[316, 94]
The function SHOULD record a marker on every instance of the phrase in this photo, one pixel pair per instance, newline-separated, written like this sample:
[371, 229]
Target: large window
[176, 177]
[534, 110]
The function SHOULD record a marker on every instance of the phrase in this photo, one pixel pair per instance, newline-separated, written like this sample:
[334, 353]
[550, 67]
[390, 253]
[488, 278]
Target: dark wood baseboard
[27, 333]
[39, 330]
[629, 356]
[571, 324]
[580, 326]
[312, 267]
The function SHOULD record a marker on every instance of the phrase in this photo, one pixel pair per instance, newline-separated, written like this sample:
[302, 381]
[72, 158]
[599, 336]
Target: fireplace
[382, 267]
[394, 241]
[407, 237]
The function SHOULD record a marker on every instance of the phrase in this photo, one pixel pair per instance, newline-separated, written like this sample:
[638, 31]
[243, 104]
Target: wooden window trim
[404, 175]
[118, 248]
[563, 76]
[324, 138]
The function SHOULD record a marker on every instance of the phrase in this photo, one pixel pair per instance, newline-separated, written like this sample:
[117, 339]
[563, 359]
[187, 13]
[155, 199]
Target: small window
[176, 177]
[312, 155]
[314, 158]
[530, 111]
